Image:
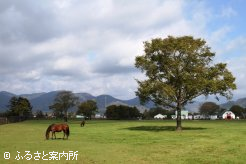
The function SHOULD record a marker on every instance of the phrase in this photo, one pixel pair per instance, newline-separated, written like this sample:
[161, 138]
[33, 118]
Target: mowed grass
[130, 142]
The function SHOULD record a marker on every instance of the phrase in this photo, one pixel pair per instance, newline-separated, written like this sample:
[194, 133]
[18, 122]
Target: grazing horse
[82, 123]
[57, 128]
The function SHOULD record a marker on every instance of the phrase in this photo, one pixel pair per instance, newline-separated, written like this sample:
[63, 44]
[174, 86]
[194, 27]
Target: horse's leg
[64, 134]
[52, 133]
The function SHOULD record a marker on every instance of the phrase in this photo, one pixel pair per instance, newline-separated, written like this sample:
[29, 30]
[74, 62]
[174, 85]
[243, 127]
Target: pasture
[140, 142]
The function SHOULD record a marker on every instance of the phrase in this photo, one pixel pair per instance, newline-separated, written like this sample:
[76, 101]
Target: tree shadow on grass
[162, 128]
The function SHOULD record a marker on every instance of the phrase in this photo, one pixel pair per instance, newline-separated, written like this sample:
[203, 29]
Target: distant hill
[241, 102]
[84, 96]
[32, 96]
[104, 100]
[4, 100]
[228, 104]
[135, 102]
[42, 101]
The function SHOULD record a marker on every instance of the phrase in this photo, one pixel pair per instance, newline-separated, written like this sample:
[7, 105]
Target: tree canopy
[19, 106]
[121, 112]
[87, 108]
[238, 111]
[179, 69]
[209, 108]
[63, 101]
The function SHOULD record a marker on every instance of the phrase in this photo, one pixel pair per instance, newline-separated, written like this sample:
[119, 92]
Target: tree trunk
[178, 127]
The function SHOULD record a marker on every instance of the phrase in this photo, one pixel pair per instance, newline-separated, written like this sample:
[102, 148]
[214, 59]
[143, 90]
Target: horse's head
[47, 135]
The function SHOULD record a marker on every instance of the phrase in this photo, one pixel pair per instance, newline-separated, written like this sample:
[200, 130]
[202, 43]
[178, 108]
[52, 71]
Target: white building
[98, 115]
[79, 116]
[160, 116]
[213, 117]
[228, 115]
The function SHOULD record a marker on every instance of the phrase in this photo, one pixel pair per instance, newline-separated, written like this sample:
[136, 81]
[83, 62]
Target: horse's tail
[68, 132]
[48, 131]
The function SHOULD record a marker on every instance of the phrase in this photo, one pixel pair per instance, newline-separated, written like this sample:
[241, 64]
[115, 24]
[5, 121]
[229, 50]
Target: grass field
[129, 142]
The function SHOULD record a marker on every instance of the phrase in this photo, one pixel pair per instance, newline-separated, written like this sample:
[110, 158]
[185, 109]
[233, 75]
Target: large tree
[20, 106]
[118, 112]
[238, 111]
[87, 108]
[179, 69]
[209, 108]
[63, 101]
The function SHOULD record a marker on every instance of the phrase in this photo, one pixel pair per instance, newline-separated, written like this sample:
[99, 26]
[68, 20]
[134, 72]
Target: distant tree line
[121, 112]
[65, 100]
[211, 108]
[149, 114]
[238, 111]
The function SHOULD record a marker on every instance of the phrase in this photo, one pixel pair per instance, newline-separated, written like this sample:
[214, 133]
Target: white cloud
[237, 43]
[228, 12]
[30, 75]
[238, 67]
[59, 46]
[90, 46]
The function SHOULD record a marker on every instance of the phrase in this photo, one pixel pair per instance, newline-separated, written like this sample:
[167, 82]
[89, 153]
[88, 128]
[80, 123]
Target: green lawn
[129, 142]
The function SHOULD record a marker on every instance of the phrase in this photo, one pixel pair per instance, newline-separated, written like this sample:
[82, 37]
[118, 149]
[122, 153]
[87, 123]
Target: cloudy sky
[90, 46]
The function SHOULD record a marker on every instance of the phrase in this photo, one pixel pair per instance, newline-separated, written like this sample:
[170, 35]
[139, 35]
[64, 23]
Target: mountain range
[42, 101]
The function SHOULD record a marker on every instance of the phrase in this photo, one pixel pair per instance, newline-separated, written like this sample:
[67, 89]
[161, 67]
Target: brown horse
[57, 128]
[82, 123]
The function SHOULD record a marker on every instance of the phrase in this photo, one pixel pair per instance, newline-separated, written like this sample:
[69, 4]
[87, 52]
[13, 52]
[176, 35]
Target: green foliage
[87, 108]
[57, 110]
[39, 114]
[19, 106]
[158, 110]
[179, 69]
[238, 111]
[209, 108]
[64, 100]
[121, 112]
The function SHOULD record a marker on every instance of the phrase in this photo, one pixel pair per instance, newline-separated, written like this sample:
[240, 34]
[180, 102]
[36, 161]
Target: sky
[90, 46]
